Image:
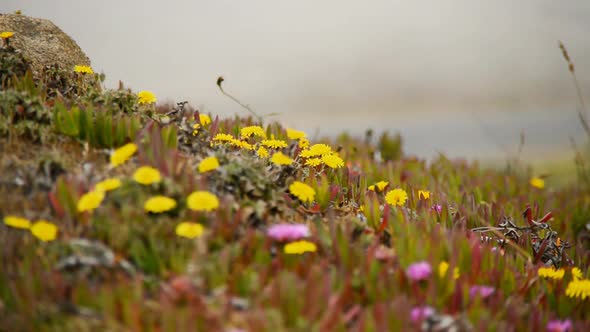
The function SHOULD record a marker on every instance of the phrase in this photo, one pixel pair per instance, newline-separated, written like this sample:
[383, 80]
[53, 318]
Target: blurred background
[458, 76]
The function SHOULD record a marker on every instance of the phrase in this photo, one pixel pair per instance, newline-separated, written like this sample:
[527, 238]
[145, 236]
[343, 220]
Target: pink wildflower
[419, 271]
[288, 232]
[437, 208]
[483, 291]
[559, 326]
[419, 313]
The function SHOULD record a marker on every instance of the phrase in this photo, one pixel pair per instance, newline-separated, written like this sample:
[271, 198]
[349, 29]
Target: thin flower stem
[219, 81]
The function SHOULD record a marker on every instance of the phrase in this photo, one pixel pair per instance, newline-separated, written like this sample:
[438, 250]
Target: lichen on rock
[42, 43]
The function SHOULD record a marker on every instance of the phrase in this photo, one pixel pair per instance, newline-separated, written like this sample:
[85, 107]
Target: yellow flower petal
[423, 194]
[122, 154]
[202, 201]
[90, 200]
[281, 159]
[300, 247]
[396, 197]
[313, 162]
[6, 34]
[333, 161]
[551, 273]
[189, 230]
[262, 152]
[537, 182]
[302, 191]
[316, 150]
[83, 69]
[17, 222]
[295, 134]
[274, 143]
[44, 230]
[578, 289]
[159, 204]
[146, 97]
[107, 185]
[147, 175]
[252, 131]
[208, 164]
[204, 119]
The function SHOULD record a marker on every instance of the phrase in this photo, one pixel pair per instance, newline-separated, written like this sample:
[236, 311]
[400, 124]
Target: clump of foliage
[12, 63]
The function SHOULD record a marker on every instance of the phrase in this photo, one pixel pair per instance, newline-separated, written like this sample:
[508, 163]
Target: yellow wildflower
[396, 197]
[262, 152]
[551, 273]
[252, 130]
[380, 186]
[443, 267]
[362, 208]
[83, 69]
[242, 144]
[44, 230]
[159, 204]
[189, 230]
[576, 273]
[17, 222]
[90, 200]
[6, 34]
[578, 288]
[208, 164]
[122, 154]
[300, 247]
[302, 191]
[280, 159]
[146, 97]
[423, 194]
[196, 128]
[108, 185]
[223, 138]
[313, 162]
[274, 143]
[204, 119]
[317, 150]
[147, 175]
[202, 201]
[295, 134]
[537, 183]
[333, 161]
[303, 143]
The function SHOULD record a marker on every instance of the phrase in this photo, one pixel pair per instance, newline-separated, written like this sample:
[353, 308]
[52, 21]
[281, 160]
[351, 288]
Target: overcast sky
[302, 58]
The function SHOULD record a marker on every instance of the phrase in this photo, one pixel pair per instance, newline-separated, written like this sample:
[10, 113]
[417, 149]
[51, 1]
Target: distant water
[471, 135]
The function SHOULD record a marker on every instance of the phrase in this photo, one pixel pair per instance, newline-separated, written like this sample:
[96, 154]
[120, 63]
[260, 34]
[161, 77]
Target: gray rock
[42, 43]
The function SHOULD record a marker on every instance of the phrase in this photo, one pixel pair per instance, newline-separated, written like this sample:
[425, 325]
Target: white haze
[432, 69]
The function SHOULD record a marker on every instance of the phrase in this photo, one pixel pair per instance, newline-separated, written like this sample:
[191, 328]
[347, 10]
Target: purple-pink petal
[482, 291]
[419, 313]
[559, 326]
[419, 271]
[437, 208]
[288, 232]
